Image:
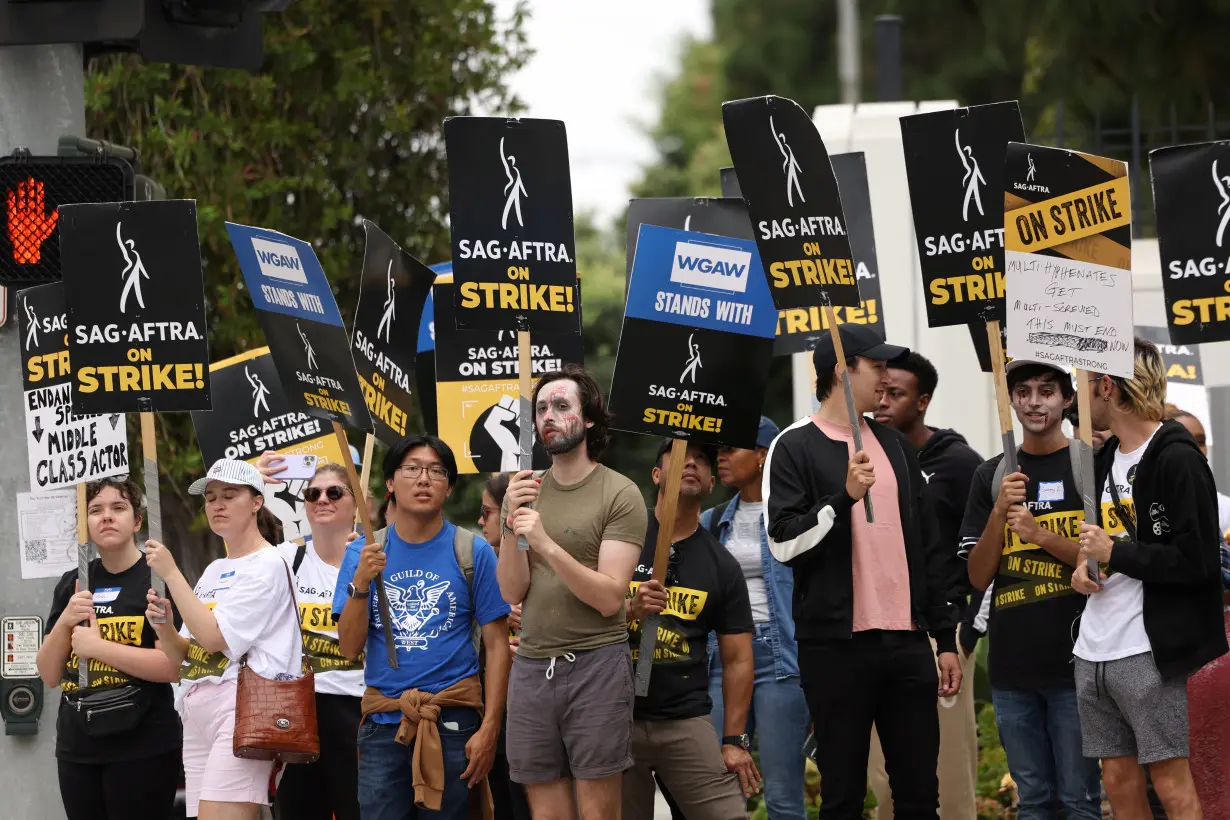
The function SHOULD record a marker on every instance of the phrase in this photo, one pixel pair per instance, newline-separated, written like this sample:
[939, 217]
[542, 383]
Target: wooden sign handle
[856, 432]
[1003, 401]
[661, 559]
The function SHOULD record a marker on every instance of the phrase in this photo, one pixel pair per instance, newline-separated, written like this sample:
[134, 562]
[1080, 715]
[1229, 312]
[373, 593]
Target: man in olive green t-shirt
[570, 693]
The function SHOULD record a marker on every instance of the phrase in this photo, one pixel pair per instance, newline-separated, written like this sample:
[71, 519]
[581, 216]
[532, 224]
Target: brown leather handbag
[276, 719]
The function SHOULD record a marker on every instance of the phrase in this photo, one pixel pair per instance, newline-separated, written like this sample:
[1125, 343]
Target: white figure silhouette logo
[386, 321]
[973, 178]
[1223, 188]
[514, 189]
[790, 165]
[1029, 177]
[31, 327]
[134, 269]
[693, 361]
[307, 347]
[687, 223]
[260, 393]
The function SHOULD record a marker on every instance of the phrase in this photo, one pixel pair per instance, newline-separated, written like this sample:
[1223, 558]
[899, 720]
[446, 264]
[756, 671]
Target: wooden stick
[369, 446]
[1003, 402]
[83, 575]
[661, 558]
[365, 521]
[1089, 493]
[525, 368]
[153, 497]
[830, 318]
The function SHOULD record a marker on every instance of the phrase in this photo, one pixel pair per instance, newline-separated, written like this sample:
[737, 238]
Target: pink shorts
[211, 770]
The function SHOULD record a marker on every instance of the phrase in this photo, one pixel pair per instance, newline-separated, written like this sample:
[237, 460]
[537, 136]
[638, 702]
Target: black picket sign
[510, 206]
[136, 306]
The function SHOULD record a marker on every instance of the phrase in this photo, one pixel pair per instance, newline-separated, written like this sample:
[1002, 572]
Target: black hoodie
[948, 464]
[1177, 550]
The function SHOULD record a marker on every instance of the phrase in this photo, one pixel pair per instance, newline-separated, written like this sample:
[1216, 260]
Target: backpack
[715, 518]
[1001, 469]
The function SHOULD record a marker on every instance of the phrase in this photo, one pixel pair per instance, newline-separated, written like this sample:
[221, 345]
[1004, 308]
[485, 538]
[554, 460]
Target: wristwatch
[743, 740]
[353, 591]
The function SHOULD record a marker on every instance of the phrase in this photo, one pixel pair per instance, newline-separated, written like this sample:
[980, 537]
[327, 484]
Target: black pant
[328, 788]
[125, 789]
[885, 678]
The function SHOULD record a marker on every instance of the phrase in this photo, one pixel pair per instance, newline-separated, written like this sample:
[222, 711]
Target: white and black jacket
[807, 518]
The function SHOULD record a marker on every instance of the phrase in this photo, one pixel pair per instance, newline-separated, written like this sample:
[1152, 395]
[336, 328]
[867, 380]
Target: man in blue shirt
[434, 600]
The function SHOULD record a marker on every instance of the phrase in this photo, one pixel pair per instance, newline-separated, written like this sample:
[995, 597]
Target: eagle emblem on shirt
[412, 608]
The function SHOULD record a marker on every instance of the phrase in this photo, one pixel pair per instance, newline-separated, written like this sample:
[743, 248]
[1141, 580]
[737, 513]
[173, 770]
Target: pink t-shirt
[881, 575]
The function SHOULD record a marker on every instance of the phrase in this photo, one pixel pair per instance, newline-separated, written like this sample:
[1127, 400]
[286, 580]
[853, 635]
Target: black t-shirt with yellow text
[119, 605]
[1034, 610]
[706, 593]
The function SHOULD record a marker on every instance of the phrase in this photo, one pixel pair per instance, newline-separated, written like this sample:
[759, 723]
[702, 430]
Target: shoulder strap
[715, 519]
[300, 554]
[463, 548]
[304, 666]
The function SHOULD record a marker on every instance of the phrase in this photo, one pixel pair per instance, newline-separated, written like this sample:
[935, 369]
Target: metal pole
[849, 62]
[888, 58]
[41, 97]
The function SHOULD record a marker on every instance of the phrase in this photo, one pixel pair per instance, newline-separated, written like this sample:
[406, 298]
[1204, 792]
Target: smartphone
[297, 468]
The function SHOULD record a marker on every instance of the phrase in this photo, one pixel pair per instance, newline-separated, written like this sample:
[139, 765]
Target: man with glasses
[439, 580]
[672, 735]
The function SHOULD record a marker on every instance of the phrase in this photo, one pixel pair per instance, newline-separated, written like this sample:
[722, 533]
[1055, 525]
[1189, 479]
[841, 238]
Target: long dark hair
[593, 405]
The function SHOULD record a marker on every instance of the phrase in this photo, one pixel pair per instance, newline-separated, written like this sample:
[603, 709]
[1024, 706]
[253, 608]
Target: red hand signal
[29, 225]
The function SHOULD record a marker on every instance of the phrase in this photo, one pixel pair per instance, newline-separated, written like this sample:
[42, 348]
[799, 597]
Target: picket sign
[661, 557]
[855, 427]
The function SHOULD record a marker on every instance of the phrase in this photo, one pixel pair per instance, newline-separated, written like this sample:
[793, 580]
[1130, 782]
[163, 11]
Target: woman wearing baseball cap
[242, 605]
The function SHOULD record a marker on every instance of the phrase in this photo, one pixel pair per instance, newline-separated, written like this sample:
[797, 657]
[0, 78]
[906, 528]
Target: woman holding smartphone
[242, 606]
[125, 722]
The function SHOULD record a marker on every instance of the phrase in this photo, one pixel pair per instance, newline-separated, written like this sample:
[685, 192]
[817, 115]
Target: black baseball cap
[708, 450]
[856, 340]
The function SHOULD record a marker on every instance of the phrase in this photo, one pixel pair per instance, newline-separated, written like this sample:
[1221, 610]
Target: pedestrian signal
[32, 189]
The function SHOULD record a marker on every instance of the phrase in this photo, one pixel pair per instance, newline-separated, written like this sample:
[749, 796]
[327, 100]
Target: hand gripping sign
[1191, 193]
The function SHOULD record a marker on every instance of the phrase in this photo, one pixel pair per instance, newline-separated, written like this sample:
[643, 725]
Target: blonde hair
[338, 471]
[1144, 395]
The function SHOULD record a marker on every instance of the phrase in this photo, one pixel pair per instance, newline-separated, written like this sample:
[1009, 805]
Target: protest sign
[1184, 376]
[792, 196]
[510, 207]
[721, 217]
[478, 387]
[296, 309]
[136, 306]
[851, 173]
[1068, 240]
[425, 361]
[1191, 195]
[697, 338]
[47, 532]
[386, 331]
[954, 162]
[252, 415]
[64, 449]
[730, 183]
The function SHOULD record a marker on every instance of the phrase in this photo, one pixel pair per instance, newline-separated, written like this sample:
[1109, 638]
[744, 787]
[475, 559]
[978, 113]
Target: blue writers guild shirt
[431, 609]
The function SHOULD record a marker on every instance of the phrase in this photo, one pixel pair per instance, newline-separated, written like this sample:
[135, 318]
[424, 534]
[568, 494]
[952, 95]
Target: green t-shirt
[603, 506]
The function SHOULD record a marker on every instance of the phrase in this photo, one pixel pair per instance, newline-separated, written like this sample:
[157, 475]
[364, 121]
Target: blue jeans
[385, 788]
[1041, 733]
[778, 706]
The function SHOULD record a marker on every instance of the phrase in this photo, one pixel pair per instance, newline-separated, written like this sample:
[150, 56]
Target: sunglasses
[333, 493]
[672, 568]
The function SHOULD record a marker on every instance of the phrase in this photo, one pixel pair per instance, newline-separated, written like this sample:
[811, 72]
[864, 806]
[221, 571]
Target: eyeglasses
[484, 511]
[333, 493]
[435, 472]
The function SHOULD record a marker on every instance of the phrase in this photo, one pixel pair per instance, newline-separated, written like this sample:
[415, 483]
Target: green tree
[343, 122]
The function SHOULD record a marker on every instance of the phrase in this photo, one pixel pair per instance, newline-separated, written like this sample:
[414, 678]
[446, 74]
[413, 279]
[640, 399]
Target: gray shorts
[1128, 710]
[570, 716]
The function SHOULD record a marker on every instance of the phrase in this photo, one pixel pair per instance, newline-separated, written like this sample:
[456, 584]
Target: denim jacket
[779, 587]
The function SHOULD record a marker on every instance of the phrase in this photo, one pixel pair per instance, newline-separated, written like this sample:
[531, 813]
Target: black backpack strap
[300, 553]
[715, 519]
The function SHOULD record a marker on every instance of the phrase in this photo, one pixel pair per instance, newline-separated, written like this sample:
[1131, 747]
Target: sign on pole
[1184, 376]
[386, 330]
[510, 207]
[425, 360]
[851, 173]
[64, 449]
[136, 306]
[697, 339]
[251, 415]
[1191, 195]
[478, 387]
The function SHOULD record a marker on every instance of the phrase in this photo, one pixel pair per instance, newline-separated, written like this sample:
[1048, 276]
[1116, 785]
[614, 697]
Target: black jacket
[948, 464]
[808, 513]
[1177, 549]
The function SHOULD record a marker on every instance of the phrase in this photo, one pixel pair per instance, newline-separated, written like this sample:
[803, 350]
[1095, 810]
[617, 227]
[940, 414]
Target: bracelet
[509, 529]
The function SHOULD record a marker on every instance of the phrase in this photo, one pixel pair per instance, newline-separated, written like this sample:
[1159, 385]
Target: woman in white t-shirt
[242, 605]
[328, 788]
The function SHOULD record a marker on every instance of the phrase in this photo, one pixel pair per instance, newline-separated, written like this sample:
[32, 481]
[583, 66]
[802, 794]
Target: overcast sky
[596, 68]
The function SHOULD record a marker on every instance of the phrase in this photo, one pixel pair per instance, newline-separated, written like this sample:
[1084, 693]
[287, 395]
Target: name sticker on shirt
[226, 575]
[106, 595]
[1050, 491]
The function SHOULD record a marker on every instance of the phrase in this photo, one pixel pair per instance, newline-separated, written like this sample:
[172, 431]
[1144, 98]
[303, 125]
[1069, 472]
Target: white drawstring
[568, 656]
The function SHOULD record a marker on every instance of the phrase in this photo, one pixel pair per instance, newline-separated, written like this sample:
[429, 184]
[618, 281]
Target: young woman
[328, 788]
[242, 606]
[97, 754]
[778, 705]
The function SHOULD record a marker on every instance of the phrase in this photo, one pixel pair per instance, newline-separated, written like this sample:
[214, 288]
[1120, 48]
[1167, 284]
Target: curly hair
[593, 405]
[125, 486]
